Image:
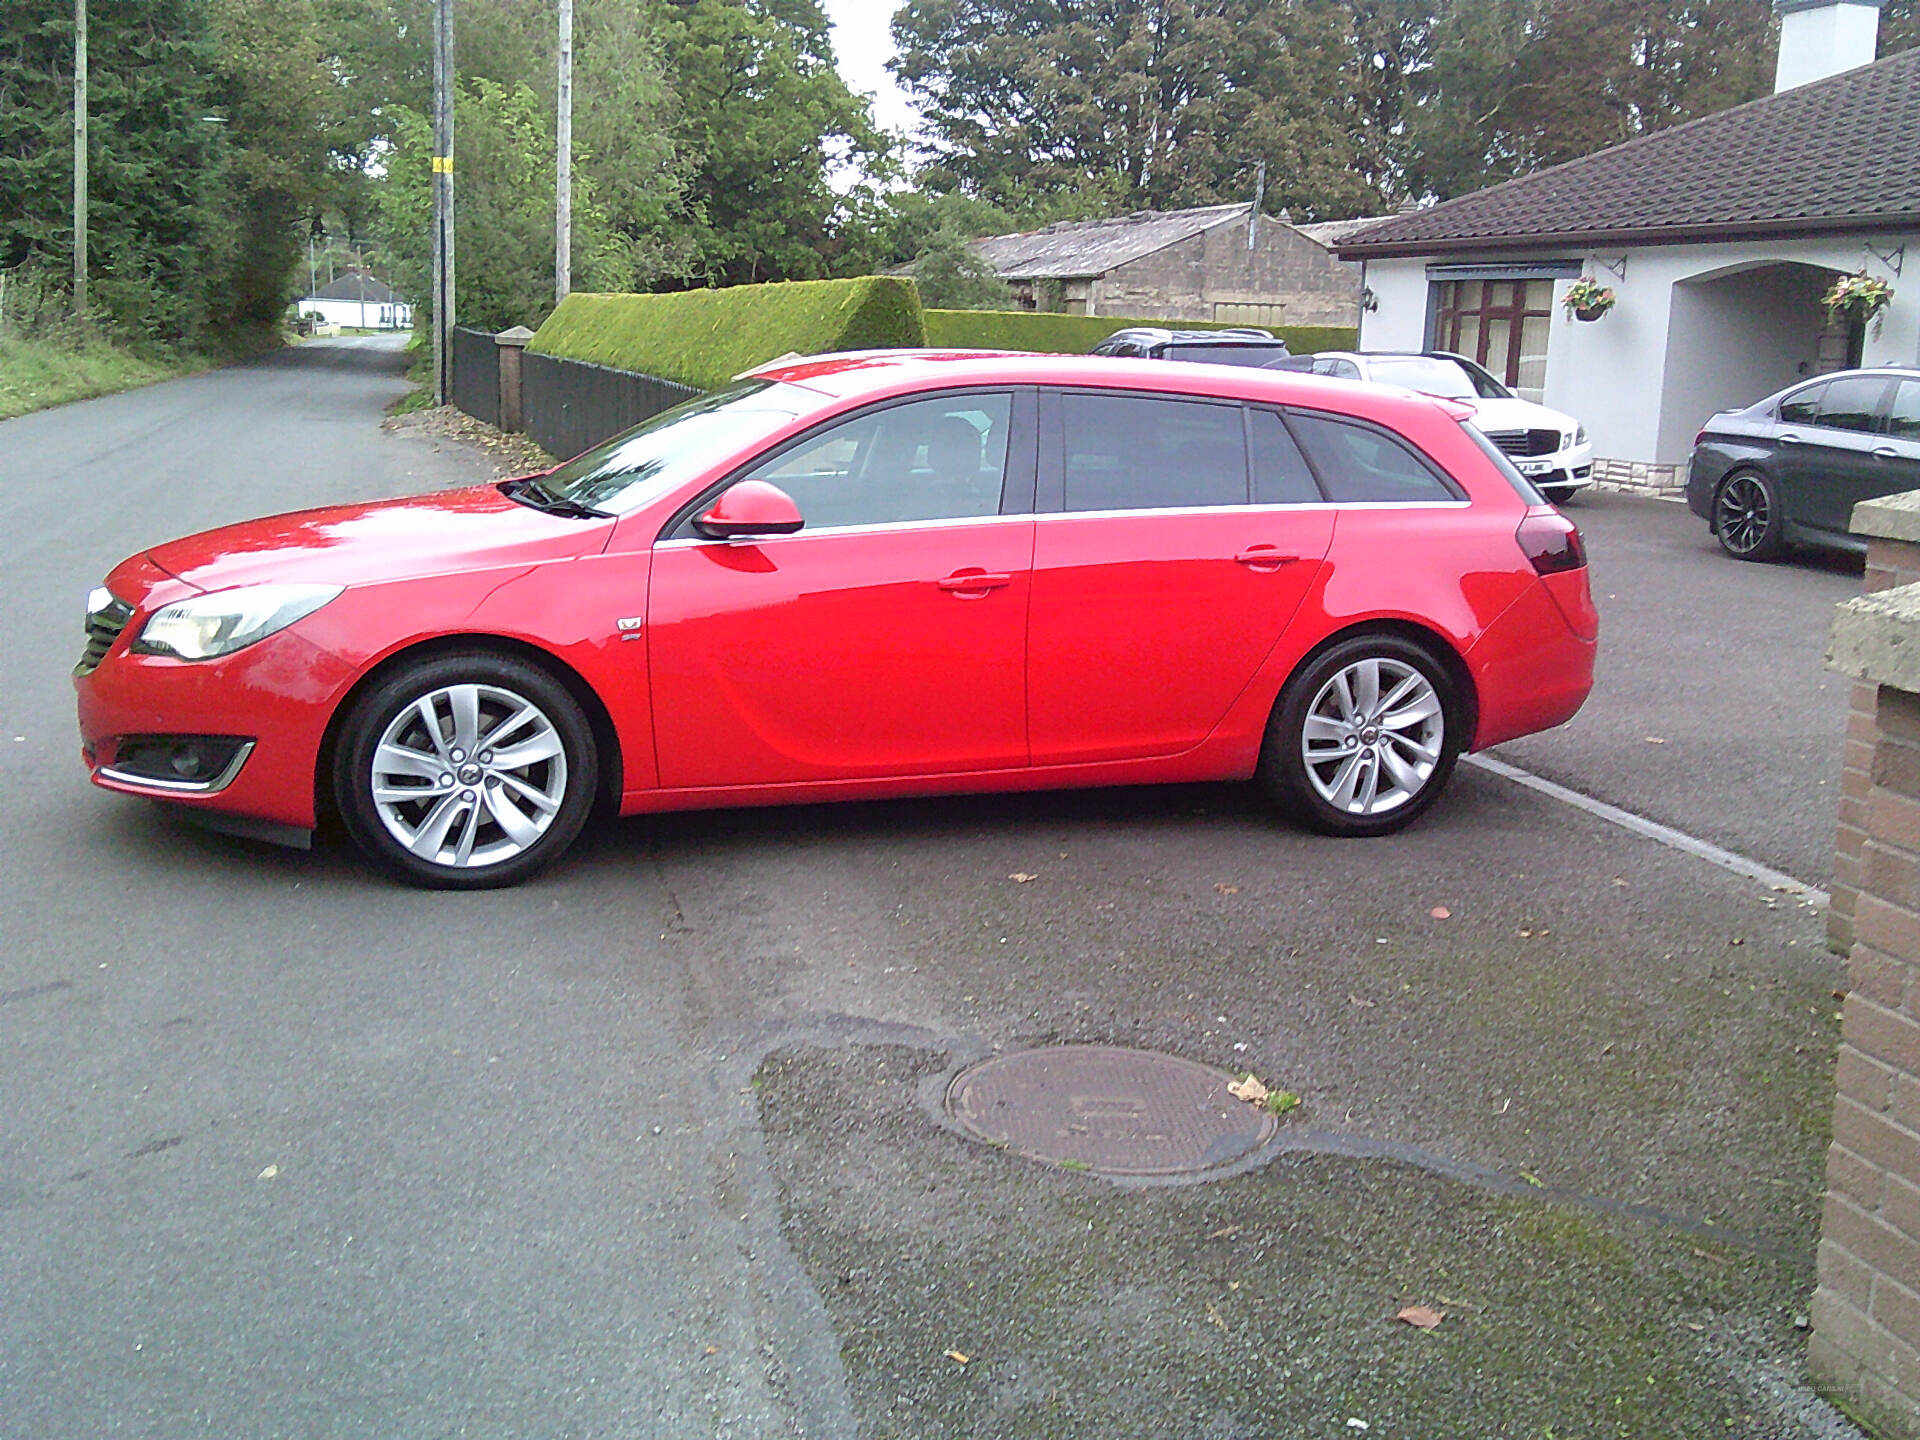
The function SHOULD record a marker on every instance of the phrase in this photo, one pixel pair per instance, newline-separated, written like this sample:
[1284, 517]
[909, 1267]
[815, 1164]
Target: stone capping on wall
[1865, 1348]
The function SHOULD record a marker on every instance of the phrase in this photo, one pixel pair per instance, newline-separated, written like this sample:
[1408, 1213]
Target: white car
[1548, 447]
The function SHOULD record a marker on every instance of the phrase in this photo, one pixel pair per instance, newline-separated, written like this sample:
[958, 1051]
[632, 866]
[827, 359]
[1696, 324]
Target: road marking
[1653, 830]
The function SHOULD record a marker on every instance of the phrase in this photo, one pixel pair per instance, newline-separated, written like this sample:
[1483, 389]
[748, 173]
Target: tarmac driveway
[650, 1147]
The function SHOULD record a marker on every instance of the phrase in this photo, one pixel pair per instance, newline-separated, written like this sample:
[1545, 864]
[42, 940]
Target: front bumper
[1569, 469]
[268, 706]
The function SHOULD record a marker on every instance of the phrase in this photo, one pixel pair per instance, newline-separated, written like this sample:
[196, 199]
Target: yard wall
[1865, 1347]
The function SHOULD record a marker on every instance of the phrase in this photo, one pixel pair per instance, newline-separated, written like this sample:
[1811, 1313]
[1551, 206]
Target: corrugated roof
[1093, 247]
[1840, 153]
[356, 285]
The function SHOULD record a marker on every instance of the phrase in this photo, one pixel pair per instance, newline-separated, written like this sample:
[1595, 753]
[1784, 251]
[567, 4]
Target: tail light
[1551, 542]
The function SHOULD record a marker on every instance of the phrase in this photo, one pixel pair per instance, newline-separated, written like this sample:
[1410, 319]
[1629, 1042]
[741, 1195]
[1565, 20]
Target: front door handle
[1787, 439]
[1885, 452]
[1264, 558]
[973, 583]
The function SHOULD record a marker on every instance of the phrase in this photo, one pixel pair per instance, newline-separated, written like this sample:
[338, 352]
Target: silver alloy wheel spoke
[490, 804]
[1373, 736]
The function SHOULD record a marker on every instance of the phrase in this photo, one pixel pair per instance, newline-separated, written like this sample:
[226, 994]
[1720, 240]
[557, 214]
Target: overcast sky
[862, 45]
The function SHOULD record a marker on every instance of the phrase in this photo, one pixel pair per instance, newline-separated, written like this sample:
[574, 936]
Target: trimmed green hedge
[1077, 334]
[706, 337]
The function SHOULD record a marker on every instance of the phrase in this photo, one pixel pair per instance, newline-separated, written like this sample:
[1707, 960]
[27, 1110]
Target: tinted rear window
[1853, 403]
[1225, 354]
[1803, 406]
[1126, 452]
[1360, 463]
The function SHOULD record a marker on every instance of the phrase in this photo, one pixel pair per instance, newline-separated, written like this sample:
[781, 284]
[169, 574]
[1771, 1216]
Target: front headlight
[228, 620]
[1579, 435]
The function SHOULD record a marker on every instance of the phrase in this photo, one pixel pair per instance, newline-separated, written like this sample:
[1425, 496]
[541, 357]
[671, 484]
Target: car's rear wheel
[1746, 517]
[1559, 494]
[465, 771]
[1364, 737]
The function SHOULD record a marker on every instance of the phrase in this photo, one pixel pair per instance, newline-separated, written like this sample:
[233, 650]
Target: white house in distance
[1719, 238]
[360, 301]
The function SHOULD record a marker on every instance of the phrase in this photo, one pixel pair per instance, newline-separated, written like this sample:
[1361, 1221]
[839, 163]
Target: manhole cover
[1120, 1112]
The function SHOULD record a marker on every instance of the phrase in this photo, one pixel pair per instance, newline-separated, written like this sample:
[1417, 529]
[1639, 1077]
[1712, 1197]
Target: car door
[1829, 466]
[1899, 449]
[1166, 568]
[887, 636]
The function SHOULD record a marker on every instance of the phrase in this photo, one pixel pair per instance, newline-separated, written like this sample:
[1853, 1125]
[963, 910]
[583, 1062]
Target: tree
[951, 276]
[1152, 102]
[765, 119]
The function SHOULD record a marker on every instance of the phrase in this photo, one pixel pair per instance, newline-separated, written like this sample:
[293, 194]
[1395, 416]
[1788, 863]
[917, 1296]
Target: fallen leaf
[1693, 1327]
[1020, 877]
[1421, 1317]
[958, 1358]
[1249, 1090]
[1226, 1232]
[1736, 940]
[1215, 1317]
[713, 1350]
[1524, 933]
[1357, 1002]
[269, 1172]
[1354, 1422]
[1440, 912]
[1225, 889]
[1656, 740]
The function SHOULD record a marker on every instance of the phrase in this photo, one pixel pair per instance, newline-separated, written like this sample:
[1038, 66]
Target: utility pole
[442, 201]
[1253, 215]
[80, 159]
[563, 164]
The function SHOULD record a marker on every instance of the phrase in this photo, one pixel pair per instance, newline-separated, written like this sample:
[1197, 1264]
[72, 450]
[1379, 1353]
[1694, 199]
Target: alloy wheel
[1743, 515]
[468, 775]
[1373, 736]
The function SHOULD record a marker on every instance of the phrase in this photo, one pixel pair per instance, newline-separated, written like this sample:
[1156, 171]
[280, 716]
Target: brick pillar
[1892, 528]
[511, 343]
[1865, 1348]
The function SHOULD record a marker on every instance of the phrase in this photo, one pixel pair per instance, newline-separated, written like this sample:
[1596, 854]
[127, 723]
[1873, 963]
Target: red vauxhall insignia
[898, 573]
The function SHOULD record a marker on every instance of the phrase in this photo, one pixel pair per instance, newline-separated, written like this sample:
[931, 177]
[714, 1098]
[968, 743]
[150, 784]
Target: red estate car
[884, 574]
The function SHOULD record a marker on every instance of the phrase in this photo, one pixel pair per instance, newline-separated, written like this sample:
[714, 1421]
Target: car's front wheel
[465, 771]
[1364, 737]
[1746, 517]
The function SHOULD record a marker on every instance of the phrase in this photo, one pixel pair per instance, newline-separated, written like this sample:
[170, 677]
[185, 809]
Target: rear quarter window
[1361, 463]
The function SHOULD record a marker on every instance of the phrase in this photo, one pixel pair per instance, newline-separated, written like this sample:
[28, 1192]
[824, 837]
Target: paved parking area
[646, 1149]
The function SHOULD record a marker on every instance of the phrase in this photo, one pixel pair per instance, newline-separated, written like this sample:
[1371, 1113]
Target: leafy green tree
[765, 119]
[951, 276]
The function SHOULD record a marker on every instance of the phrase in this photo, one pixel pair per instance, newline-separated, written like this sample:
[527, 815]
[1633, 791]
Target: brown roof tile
[1840, 153]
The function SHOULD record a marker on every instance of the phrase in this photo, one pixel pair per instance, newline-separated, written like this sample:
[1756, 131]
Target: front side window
[943, 458]
[1853, 403]
[1141, 452]
[1360, 463]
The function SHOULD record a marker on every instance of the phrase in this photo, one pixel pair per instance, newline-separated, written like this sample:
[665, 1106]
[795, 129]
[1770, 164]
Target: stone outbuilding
[1719, 239]
[1216, 263]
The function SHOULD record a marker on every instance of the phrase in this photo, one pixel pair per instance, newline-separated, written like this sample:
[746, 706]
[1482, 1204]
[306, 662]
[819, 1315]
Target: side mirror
[753, 507]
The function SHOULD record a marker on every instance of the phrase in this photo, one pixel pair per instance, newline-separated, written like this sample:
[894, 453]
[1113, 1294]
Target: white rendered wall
[1824, 40]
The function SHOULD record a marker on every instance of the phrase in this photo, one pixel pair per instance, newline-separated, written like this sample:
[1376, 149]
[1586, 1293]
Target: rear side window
[1803, 406]
[1136, 452]
[1360, 463]
[1280, 473]
[1225, 354]
[1903, 416]
[1853, 403]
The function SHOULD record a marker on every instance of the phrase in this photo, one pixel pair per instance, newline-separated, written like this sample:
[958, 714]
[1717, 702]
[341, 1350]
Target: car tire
[1746, 516]
[1327, 750]
[486, 815]
[1559, 494]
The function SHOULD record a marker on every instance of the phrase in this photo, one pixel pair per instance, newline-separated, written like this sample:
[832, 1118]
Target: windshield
[647, 461]
[1425, 374]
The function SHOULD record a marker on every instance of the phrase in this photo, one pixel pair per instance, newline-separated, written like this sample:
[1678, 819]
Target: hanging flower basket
[1588, 299]
[1857, 297]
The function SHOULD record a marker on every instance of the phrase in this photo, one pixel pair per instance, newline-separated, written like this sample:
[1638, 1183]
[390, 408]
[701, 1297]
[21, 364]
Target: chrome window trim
[228, 774]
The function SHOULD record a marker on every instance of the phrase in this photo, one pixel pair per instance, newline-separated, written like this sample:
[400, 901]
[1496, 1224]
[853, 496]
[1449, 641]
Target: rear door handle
[1786, 439]
[1264, 557]
[963, 582]
[1885, 452]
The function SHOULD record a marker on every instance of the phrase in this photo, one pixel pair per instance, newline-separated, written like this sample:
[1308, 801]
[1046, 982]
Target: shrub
[706, 337]
[1077, 334]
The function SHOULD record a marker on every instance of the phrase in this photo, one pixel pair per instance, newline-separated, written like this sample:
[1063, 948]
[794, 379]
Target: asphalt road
[640, 1149]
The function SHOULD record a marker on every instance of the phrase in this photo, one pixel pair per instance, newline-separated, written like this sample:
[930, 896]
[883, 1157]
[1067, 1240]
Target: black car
[1213, 347]
[1789, 469]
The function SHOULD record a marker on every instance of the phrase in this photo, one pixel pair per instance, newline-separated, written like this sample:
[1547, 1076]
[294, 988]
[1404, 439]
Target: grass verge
[37, 373]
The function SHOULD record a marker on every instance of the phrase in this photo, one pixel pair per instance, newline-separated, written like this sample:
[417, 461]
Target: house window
[1502, 324]
[1236, 312]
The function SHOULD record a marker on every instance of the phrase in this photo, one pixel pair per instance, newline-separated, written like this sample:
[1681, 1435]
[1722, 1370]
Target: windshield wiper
[531, 493]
